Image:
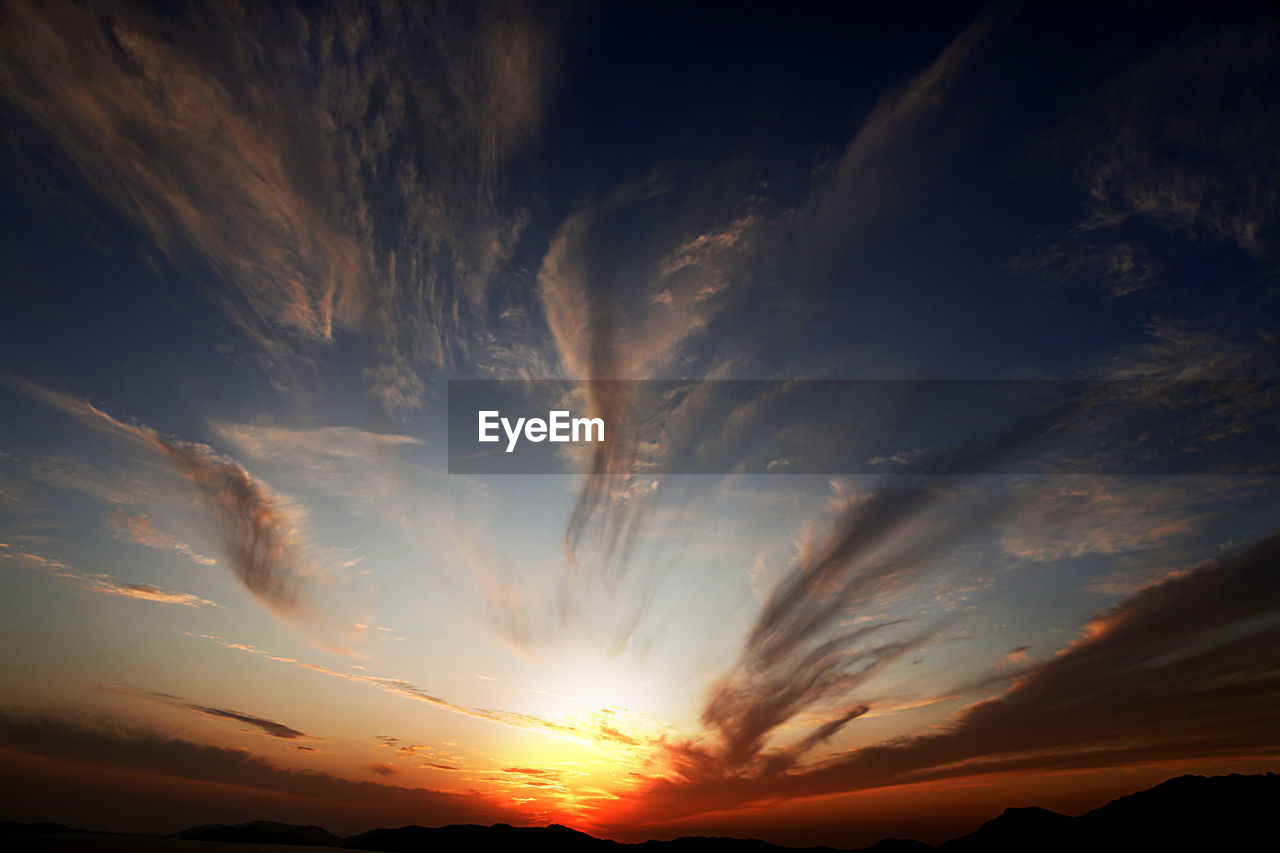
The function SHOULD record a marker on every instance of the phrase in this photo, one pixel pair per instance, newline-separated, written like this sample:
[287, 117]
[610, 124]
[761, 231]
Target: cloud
[597, 728]
[334, 461]
[260, 534]
[263, 725]
[101, 583]
[108, 585]
[260, 531]
[1168, 120]
[1175, 351]
[1184, 669]
[1124, 267]
[1173, 153]
[317, 445]
[811, 643]
[136, 754]
[165, 144]
[140, 529]
[867, 181]
[1064, 518]
[321, 170]
[822, 633]
[614, 317]
[1018, 656]
[111, 484]
[633, 318]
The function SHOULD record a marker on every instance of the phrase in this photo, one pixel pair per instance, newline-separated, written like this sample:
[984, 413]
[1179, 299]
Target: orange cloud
[94, 762]
[1186, 669]
[102, 583]
[600, 728]
[260, 530]
[140, 529]
[108, 585]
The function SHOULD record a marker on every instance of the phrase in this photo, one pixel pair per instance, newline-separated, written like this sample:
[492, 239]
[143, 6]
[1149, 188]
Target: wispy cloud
[1018, 656]
[1173, 155]
[821, 636]
[420, 754]
[634, 318]
[870, 175]
[614, 317]
[108, 585]
[101, 583]
[1062, 518]
[260, 531]
[140, 529]
[376, 208]
[354, 464]
[271, 728]
[1199, 97]
[1198, 660]
[600, 727]
[135, 750]
[169, 148]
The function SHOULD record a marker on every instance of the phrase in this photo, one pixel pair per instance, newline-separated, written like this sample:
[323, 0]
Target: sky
[248, 246]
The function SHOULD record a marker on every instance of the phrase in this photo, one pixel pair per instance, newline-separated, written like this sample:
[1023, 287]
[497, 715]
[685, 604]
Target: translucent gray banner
[925, 427]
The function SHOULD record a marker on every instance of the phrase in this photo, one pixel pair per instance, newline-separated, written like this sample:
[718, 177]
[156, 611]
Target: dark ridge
[896, 845]
[1189, 813]
[470, 836]
[261, 832]
[41, 828]
[715, 844]
[1014, 829]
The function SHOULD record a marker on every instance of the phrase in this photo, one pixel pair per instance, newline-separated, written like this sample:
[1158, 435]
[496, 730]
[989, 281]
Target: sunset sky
[247, 247]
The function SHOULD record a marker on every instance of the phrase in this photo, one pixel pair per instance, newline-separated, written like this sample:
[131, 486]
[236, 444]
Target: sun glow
[604, 739]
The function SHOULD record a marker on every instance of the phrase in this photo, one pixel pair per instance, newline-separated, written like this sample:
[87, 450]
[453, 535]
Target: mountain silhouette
[1188, 813]
[469, 836]
[261, 832]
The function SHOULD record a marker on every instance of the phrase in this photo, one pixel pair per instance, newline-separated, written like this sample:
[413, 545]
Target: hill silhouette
[261, 832]
[1188, 813]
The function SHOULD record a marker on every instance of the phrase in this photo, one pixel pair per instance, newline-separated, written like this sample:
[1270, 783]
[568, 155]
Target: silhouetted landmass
[1015, 828]
[470, 837]
[262, 832]
[1187, 813]
[42, 828]
[896, 845]
[1195, 811]
[704, 844]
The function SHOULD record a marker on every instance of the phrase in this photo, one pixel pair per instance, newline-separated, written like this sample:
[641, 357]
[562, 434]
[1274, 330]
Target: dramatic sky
[246, 247]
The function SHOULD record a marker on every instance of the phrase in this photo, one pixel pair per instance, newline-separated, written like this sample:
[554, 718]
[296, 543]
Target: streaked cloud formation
[594, 727]
[260, 532]
[140, 529]
[370, 209]
[101, 583]
[261, 724]
[1212, 697]
[136, 748]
